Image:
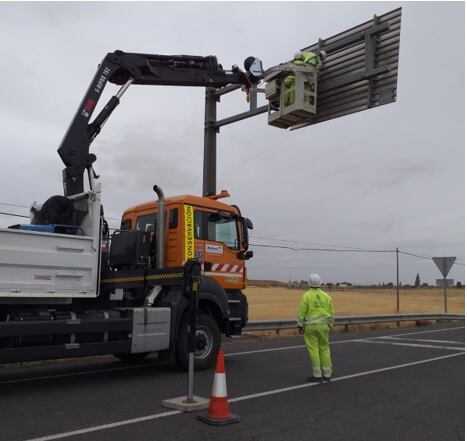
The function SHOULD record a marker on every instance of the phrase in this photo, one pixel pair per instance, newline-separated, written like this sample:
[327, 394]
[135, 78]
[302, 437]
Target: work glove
[300, 330]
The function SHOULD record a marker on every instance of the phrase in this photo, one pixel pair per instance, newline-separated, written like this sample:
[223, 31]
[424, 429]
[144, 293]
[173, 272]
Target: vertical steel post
[445, 295]
[191, 368]
[253, 98]
[191, 340]
[191, 280]
[209, 165]
[397, 278]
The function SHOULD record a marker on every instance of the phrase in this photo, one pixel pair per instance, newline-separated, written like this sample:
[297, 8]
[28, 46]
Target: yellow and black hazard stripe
[164, 276]
[123, 279]
[142, 278]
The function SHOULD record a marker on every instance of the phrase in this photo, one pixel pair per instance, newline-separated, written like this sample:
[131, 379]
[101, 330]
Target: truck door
[221, 246]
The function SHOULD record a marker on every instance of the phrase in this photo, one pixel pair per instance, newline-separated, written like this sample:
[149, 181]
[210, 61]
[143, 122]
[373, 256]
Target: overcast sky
[391, 176]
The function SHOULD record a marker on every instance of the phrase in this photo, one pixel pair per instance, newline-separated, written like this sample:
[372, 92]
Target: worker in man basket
[315, 319]
[302, 59]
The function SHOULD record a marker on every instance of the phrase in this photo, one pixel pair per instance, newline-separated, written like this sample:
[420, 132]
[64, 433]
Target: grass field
[270, 303]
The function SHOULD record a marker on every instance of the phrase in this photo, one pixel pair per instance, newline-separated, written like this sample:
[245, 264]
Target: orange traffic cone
[218, 413]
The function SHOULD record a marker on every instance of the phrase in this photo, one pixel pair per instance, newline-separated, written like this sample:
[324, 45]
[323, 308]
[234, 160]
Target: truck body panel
[50, 265]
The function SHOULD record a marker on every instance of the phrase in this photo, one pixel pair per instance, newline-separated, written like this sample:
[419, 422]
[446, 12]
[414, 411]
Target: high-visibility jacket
[316, 308]
[309, 58]
[306, 58]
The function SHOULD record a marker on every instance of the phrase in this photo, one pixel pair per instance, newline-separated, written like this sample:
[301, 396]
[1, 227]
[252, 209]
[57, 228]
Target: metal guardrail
[277, 325]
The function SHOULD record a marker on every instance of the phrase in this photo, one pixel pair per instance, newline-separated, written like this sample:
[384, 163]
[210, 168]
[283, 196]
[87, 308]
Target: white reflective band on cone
[219, 386]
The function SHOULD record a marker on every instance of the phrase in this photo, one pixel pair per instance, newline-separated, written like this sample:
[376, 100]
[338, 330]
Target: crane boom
[124, 69]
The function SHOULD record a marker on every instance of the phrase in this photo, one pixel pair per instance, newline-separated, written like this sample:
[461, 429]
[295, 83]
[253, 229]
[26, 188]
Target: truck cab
[201, 228]
[206, 229]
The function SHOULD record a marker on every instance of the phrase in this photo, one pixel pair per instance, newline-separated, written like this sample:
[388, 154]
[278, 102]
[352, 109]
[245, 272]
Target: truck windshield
[223, 229]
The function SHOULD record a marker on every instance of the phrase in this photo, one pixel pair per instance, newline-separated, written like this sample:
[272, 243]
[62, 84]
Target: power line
[13, 214]
[426, 257]
[22, 215]
[355, 250]
[321, 249]
[342, 248]
[415, 255]
[14, 205]
[307, 242]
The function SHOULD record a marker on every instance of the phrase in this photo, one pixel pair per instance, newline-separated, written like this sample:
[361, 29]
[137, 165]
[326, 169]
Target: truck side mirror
[248, 255]
[247, 225]
[245, 255]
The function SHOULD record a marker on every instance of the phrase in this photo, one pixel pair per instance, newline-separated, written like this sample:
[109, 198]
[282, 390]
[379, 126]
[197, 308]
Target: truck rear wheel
[208, 342]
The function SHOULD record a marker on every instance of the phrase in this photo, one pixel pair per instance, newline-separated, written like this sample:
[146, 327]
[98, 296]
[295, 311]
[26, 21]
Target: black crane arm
[125, 69]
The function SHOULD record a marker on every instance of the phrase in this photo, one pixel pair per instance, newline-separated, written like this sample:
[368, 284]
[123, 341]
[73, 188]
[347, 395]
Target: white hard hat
[297, 55]
[314, 280]
[323, 54]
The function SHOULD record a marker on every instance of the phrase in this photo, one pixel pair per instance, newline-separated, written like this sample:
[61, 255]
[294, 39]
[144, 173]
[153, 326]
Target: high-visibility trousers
[317, 342]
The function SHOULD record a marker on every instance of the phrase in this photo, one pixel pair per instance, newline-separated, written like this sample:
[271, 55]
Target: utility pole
[397, 278]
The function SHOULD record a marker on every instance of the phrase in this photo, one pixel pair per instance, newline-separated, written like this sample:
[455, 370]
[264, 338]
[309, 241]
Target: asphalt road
[400, 384]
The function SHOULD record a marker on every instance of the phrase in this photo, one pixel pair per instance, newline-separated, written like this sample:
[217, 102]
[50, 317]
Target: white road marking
[426, 340]
[106, 426]
[411, 345]
[424, 332]
[284, 348]
[234, 400]
[345, 377]
[258, 351]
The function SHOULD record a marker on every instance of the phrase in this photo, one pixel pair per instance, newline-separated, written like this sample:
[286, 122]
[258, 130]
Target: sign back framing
[360, 70]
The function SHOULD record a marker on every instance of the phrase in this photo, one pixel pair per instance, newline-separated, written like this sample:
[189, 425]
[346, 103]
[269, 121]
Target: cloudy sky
[385, 178]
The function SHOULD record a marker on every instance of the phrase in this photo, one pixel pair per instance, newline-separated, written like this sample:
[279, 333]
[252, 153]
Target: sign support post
[444, 265]
[397, 278]
[191, 279]
[192, 272]
[445, 296]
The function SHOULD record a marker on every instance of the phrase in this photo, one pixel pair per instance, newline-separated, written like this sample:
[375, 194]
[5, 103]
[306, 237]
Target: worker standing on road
[315, 318]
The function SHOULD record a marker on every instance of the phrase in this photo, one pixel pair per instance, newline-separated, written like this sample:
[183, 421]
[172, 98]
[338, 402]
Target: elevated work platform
[292, 93]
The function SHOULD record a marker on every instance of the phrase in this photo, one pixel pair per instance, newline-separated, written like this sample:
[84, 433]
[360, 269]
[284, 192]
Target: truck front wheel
[208, 341]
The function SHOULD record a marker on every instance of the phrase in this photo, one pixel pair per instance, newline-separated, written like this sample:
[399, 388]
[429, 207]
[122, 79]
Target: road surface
[399, 384]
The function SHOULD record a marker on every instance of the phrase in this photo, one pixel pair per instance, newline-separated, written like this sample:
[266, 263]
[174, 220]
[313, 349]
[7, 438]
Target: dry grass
[282, 303]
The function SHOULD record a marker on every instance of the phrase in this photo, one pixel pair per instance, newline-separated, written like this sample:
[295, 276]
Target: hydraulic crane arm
[125, 69]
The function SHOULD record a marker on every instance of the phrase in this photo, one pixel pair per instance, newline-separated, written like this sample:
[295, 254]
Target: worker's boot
[314, 379]
[326, 379]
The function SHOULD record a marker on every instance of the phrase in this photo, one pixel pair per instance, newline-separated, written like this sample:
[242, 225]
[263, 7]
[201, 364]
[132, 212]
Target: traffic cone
[218, 413]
